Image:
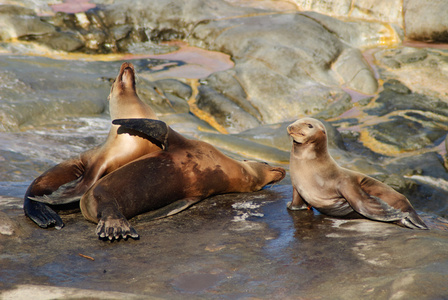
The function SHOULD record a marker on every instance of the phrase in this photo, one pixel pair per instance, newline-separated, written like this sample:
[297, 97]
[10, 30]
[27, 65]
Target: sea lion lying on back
[318, 181]
[69, 180]
[168, 181]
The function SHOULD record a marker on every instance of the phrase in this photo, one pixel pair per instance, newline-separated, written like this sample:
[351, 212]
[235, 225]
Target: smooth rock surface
[237, 246]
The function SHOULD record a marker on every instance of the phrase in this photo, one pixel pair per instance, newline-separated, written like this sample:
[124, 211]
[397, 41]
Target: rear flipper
[66, 193]
[413, 221]
[41, 214]
[168, 210]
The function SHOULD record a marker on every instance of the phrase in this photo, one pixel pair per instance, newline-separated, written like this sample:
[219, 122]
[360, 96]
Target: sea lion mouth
[127, 68]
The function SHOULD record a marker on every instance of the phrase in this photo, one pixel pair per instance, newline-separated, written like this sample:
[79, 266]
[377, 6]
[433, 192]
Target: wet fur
[186, 172]
[319, 182]
[69, 180]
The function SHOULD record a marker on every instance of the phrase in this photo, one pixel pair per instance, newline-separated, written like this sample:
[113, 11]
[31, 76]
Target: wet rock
[63, 88]
[237, 241]
[64, 41]
[422, 70]
[428, 172]
[163, 100]
[7, 226]
[225, 111]
[176, 88]
[383, 10]
[426, 21]
[415, 134]
[53, 292]
[296, 81]
[358, 33]
[420, 119]
[226, 83]
[355, 72]
[20, 22]
[246, 148]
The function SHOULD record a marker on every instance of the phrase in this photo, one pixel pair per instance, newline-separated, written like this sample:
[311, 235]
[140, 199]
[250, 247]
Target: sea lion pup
[69, 180]
[318, 181]
[168, 181]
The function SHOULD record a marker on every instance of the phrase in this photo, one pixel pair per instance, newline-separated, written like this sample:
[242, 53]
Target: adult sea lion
[69, 180]
[168, 181]
[318, 181]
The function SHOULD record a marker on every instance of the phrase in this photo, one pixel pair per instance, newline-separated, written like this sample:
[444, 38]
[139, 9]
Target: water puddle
[72, 6]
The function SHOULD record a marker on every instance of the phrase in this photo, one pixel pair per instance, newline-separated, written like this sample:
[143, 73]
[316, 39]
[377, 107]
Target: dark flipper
[168, 210]
[63, 195]
[297, 202]
[41, 214]
[156, 131]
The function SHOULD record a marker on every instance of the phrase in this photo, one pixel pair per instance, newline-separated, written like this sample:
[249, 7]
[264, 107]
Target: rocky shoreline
[235, 74]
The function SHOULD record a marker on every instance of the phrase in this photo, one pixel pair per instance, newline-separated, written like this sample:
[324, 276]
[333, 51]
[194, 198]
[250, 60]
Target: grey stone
[227, 113]
[18, 22]
[426, 20]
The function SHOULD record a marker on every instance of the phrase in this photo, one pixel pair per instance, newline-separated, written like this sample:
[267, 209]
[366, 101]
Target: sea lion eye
[309, 125]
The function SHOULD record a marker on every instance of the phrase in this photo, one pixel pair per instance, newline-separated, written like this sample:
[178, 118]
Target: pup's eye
[309, 125]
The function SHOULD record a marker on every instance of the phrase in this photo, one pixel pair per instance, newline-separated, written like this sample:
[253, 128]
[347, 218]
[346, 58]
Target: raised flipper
[156, 131]
[63, 195]
[41, 214]
[168, 210]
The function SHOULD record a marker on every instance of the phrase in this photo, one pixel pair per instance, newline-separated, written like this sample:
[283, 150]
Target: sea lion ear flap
[156, 131]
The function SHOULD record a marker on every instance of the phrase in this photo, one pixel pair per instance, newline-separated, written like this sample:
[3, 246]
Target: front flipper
[155, 130]
[41, 214]
[370, 206]
[115, 226]
[168, 210]
[297, 202]
[65, 194]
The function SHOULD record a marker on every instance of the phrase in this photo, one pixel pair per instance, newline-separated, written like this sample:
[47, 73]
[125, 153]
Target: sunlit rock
[426, 20]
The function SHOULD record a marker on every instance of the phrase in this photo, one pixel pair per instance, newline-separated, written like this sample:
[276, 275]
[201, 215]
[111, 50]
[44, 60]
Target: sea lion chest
[318, 182]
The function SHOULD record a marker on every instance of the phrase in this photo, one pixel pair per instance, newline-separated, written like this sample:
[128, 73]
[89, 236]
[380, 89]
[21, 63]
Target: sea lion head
[307, 131]
[263, 173]
[125, 80]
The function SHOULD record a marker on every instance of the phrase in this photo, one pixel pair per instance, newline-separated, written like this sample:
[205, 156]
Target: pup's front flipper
[115, 226]
[297, 202]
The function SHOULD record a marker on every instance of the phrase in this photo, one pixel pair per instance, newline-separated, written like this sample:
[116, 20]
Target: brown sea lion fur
[318, 181]
[69, 180]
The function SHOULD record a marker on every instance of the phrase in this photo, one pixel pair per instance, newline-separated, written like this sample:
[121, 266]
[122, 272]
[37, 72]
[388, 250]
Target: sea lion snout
[281, 174]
